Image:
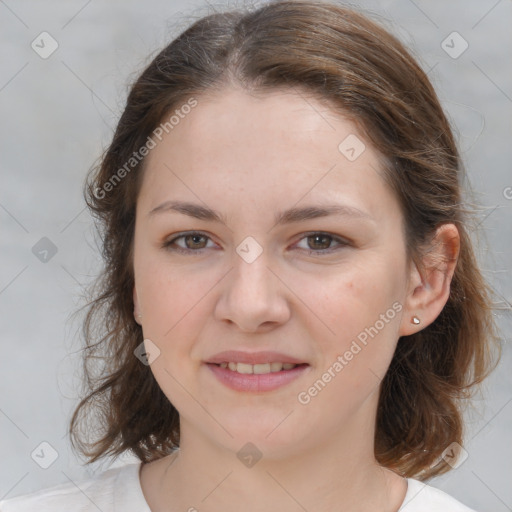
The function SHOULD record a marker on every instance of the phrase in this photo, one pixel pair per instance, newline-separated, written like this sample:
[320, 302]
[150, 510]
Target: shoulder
[106, 491]
[421, 497]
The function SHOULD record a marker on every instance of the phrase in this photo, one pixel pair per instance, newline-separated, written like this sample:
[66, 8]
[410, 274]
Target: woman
[292, 312]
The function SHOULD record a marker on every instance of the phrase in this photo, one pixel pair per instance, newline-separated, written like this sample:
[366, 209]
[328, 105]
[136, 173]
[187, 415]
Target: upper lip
[236, 356]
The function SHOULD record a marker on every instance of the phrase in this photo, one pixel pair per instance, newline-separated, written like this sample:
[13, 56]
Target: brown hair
[359, 69]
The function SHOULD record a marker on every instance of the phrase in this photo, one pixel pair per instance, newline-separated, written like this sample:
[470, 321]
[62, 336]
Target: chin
[274, 435]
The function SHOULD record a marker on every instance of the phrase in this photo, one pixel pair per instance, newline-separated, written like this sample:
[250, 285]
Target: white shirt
[119, 490]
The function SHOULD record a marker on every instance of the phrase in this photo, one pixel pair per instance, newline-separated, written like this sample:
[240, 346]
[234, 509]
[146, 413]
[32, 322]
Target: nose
[253, 296]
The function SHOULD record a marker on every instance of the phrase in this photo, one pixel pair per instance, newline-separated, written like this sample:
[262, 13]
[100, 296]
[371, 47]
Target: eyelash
[321, 252]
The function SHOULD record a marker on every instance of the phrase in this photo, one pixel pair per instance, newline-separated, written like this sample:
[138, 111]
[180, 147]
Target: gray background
[58, 114]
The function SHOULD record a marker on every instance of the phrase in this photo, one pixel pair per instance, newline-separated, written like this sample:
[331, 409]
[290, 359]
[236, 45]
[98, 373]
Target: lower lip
[256, 382]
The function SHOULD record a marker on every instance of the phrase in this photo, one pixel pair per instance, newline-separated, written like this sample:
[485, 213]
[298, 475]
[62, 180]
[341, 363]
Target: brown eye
[194, 241]
[187, 243]
[320, 244]
[319, 241]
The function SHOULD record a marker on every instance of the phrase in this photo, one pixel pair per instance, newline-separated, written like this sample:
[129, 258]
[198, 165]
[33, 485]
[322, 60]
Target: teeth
[261, 368]
[241, 367]
[258, 368]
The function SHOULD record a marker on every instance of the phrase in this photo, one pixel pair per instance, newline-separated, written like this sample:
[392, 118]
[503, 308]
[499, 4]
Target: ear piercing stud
[415, 320]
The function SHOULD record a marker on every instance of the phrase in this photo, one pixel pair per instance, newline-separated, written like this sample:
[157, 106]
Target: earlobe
[430, 286]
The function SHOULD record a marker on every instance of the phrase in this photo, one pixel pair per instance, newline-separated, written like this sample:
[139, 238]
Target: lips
[256, 383]
[256, 371]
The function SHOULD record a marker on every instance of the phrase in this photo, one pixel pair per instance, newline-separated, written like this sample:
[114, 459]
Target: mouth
[257, 369]
[257, 378]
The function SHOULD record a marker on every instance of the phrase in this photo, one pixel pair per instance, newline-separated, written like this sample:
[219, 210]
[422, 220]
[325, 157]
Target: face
[321, 289]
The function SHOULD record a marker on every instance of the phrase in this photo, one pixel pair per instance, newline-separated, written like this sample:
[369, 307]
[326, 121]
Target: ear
[429, 288]
[136, 309]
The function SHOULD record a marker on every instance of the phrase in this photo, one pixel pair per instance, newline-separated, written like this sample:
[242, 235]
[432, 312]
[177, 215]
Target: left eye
[318, 243]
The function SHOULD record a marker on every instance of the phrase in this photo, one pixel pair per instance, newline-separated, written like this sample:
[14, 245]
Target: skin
[248, 157]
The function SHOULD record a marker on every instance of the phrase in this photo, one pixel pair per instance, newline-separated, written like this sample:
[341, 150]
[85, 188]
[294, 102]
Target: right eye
[194, 242]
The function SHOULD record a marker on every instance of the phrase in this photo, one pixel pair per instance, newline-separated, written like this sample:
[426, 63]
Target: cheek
[169, 296]
[352, 299]
[172, 312]
[361, 311]
[365, 319]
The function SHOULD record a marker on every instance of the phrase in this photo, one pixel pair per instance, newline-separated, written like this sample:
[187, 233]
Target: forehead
[280, 145]
[259, 119]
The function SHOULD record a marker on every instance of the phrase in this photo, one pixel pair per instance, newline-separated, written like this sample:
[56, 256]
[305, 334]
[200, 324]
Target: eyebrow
[289, 216]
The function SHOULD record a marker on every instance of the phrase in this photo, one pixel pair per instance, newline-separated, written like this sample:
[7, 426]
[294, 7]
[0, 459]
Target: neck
[337, 473]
